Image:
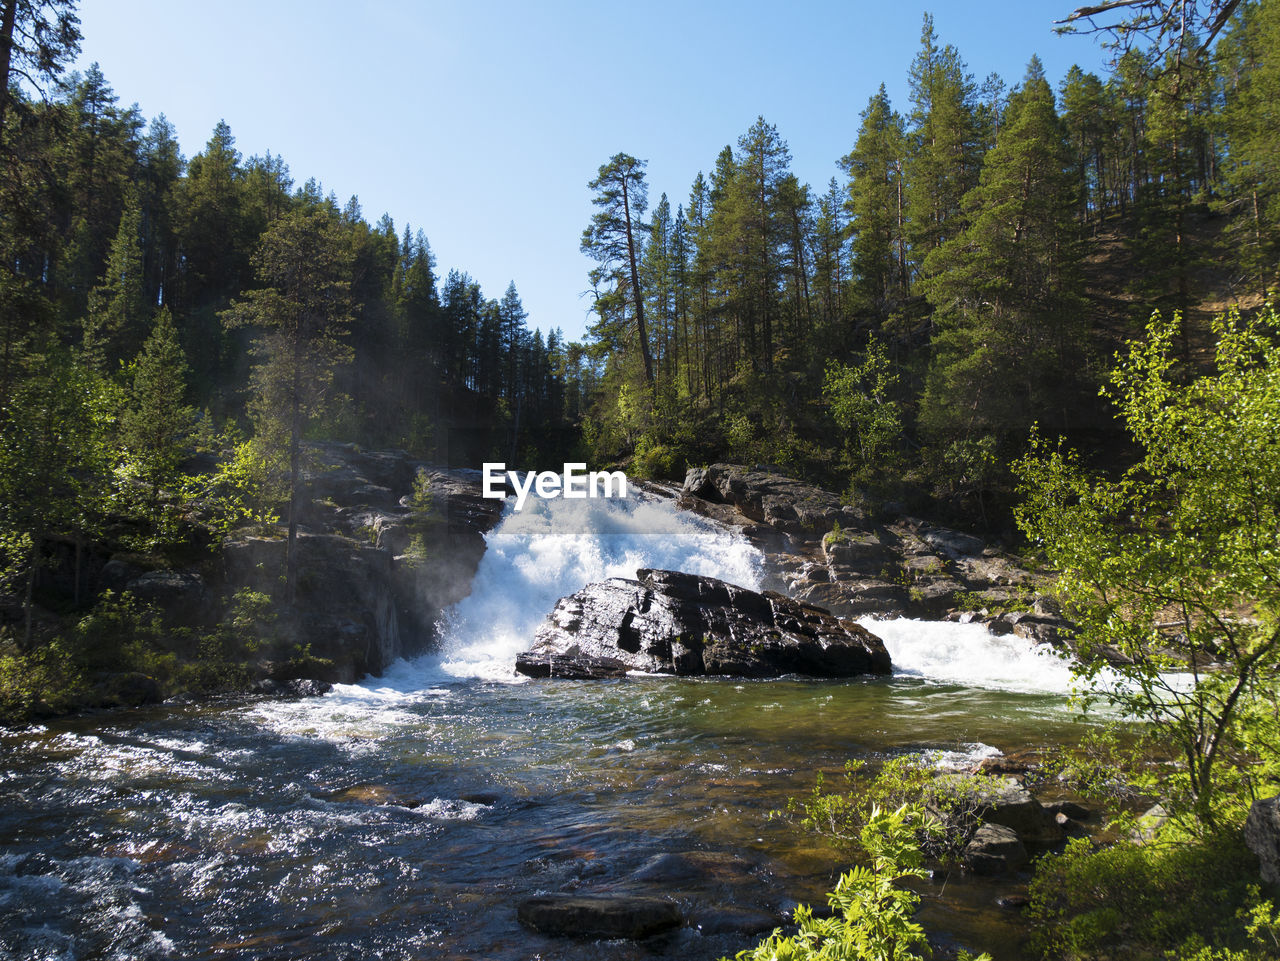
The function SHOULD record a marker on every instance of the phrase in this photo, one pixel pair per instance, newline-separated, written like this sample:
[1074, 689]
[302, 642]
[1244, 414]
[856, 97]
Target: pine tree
[118, 306]
[1007, 351]
[303, 308]
[613, 238]
[945, 147]
[37, 39]
[876, 205]
[1252, 117]
[155, 424]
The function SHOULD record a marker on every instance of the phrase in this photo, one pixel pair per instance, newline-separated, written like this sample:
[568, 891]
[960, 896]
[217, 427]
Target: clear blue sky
[481, 122]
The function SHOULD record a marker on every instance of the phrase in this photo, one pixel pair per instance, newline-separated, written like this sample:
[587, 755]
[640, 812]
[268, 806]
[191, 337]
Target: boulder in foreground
[668, 622]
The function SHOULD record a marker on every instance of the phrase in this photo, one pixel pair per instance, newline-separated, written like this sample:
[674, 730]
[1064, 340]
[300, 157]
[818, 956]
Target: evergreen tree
[1008, 348]
[612, 238]
[37, 38]
[155, 423]
[118, 306]
[945, 146]
[303, 309]
[876, 205]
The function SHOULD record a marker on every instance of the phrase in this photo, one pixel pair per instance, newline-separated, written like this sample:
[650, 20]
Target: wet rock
[1013, 902]
[599, 916]
[292, 687]
[683, 867]
[675, 623]
[734, 920]
[486, 798]
[569, 666]
[994, 849]
[1262, 835]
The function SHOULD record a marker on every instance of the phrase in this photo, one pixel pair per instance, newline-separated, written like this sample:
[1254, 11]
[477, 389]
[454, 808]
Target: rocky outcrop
[674, 623]
[835, 556]
[375, 566]
[1262, 835]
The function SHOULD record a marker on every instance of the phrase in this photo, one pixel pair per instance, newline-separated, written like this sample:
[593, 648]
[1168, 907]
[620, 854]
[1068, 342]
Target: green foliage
[245, 491]
[872, 910]
[841, 817]
[861, 405]
[1178, 897]
[45, 681]
[1184, 538]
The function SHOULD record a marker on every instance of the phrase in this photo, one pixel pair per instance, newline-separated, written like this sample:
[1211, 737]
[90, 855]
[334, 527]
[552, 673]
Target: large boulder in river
[669, 622]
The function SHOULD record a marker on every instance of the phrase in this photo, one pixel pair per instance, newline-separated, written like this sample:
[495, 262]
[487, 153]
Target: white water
[556, 547]
[971, 655]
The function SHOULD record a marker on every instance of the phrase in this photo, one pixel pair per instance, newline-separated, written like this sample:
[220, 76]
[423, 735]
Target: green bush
[872, 911]
[1176, 897]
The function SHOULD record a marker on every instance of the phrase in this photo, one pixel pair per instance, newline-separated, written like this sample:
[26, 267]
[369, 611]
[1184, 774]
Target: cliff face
[374, 571]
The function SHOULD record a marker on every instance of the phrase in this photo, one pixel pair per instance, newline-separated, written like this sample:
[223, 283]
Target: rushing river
[406, 817]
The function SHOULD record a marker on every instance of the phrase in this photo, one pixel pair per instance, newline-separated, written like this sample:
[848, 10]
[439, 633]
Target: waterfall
[556, 547]
[553, 548]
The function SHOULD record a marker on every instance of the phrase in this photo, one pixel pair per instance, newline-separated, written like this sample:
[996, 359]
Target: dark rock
[569, 666]
[1005, 802]
[733, 920]
[127, 690]
[179, 594]
[1044, 630]
[1013, 902]
[856, 598]
[1070, 809]
[1262, 835]
[599, 916]
[675, 623]
[486, 798]
[292, 687]
[994, 849]
[116, 574]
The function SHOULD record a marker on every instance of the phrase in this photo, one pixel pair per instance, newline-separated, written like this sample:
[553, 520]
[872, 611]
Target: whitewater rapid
[553, 548]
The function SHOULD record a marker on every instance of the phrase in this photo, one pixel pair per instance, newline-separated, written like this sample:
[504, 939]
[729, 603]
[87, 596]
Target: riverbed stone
[1262, 835]
[994, 849]
[670, 622]
[599, 915]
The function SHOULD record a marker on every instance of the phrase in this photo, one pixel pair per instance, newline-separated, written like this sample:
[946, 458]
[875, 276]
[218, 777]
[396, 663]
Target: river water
[406, 817]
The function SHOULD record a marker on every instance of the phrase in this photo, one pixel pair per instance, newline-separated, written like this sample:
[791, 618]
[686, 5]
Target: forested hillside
[897, 332]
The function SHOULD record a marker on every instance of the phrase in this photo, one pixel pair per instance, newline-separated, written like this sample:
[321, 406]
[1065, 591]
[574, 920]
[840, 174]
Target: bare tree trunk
[636, 294]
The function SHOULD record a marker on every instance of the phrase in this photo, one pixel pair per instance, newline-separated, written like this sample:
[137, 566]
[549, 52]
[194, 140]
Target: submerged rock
[599, 916]
[674, 623]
